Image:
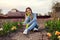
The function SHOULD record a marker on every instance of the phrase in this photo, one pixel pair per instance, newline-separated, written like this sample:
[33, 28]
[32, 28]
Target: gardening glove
[27, 14]
[27, 25]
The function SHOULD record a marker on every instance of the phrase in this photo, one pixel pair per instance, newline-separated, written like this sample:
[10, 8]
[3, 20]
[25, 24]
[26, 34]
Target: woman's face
[29, 11]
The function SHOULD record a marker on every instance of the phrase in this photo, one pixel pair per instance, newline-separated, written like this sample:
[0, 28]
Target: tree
[56, 10]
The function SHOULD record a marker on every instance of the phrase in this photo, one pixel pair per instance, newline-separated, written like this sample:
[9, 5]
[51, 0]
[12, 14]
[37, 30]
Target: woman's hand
[28, 14]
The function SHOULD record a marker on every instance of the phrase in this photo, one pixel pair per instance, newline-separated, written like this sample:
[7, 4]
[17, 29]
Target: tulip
[58, 19]
[49, 34]
[18, 24]
[13, 28]
[59, 37]
[46, 24]
[57, 33]
[1, 29]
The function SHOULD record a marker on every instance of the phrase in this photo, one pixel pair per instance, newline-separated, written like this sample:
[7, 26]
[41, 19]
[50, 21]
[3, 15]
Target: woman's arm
[34, 19]
[26, 19]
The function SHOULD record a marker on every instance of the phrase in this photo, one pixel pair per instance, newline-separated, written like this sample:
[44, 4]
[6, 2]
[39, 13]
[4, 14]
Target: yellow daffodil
[13, 28]
[49, 34]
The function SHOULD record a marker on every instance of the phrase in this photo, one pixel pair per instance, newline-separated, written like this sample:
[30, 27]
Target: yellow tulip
[49, 34]
[1, 29]
[57, 33]
[13, 28]
[58, 19]
[46, 24]
[59, 37]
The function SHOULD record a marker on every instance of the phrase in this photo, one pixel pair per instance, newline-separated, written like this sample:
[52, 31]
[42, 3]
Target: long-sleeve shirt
[27, 19]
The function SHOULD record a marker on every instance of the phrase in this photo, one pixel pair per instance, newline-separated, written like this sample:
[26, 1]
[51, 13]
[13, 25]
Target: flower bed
[10, 27]
[53, 29]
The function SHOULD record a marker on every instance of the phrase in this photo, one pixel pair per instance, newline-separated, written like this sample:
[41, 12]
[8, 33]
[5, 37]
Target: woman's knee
[32, 26]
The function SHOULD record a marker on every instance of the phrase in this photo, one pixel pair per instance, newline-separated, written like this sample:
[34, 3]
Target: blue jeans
[32, 25]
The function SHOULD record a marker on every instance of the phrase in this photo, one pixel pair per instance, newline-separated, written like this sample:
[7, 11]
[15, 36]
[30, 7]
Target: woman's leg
[36, 28]
[32, 26]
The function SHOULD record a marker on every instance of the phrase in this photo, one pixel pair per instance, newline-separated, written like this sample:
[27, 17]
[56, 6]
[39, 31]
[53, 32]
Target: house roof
[14, 13]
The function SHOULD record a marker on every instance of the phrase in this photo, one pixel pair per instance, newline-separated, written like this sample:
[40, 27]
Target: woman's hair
[29, 9]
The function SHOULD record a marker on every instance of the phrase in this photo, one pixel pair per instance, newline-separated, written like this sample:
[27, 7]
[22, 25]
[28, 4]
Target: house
[15, 13]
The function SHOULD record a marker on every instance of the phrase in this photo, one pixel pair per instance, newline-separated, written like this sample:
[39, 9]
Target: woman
[30, 21]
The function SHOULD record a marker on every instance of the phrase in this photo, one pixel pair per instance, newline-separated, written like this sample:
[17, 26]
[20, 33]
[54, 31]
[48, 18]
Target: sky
[37, 6]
